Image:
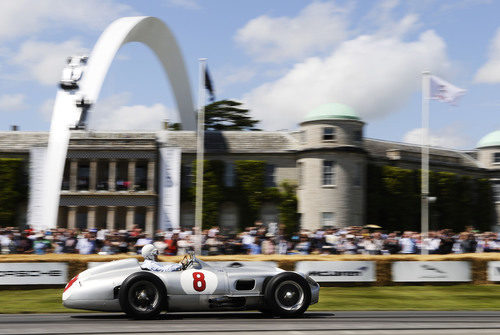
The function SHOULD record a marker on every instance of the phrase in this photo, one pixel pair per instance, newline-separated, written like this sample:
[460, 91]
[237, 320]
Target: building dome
[490, 140]
[332, 111]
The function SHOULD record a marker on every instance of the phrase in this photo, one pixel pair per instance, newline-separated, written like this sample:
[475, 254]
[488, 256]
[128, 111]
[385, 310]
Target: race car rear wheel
[287, 294]
[142, 295]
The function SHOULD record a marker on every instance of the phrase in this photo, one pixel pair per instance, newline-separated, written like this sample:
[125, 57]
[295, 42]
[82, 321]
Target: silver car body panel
[202, 287]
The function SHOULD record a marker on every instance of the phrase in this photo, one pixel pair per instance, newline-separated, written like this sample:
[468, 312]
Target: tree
[250, 176]
[227, 115]
[213, 172]
[393, 200]
[174, 126]
[288, 207]
[13, 189]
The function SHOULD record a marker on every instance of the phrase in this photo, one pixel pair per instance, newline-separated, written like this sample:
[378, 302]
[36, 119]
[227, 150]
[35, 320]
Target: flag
[208, 85]
[444, 91]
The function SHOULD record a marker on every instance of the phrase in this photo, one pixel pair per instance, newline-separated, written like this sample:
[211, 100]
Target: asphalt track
[359, 323]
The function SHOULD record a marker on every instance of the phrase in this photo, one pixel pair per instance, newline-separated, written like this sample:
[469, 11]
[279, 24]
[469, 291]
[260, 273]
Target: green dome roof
[490, 140]
[332, 111]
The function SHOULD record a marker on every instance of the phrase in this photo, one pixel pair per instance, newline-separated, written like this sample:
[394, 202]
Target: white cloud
[373, 74]
[448, 137]
[44, 61]
[186, 4]
[27, 17]
[490, 71]
[111, 113]
[381, 19]
[12, 102]
[228, 77]
[318, 27]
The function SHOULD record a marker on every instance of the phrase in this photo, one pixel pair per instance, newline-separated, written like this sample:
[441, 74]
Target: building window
[358, 135]
[300, 173]
[229, 175]
[122, 181]
[328, 134]
[83, 176]
[102, 175]
[496, 190]
[496, 158]
[269, 177]
[141, 176]
[358, 174]
[66, 177]
[140, 217]
[328, 173]
[81, 218]
[186, 176]
[327, 219]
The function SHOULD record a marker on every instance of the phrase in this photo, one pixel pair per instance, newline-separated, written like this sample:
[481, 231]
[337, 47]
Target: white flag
[444, 91]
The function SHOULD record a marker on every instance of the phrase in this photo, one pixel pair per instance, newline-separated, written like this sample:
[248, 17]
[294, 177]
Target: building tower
[331, 166]
[489, 156]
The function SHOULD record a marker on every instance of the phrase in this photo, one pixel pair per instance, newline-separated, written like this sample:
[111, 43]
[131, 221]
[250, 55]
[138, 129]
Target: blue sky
[282, 58]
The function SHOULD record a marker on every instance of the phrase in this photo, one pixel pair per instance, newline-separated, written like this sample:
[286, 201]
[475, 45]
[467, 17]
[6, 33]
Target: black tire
[142, 295]
[287, 294]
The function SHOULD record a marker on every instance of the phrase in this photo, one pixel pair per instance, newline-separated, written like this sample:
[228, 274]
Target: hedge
[13, 189]
[393, 200]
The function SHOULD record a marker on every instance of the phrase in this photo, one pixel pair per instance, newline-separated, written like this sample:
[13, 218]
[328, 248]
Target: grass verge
[423, 298]
[457, 297]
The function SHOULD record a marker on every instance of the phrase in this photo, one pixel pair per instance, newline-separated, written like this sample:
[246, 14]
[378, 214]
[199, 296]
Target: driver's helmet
[149, 251]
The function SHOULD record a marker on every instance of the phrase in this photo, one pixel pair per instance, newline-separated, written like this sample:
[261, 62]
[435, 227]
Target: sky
[281, 58]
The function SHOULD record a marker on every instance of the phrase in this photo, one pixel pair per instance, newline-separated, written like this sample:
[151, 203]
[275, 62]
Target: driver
[150, 254]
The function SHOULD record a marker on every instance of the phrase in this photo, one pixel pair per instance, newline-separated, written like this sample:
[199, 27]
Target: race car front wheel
[142, 295]
[287, 294]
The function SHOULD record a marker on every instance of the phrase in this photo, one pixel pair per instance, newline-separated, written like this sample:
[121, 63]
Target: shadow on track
[198, 315]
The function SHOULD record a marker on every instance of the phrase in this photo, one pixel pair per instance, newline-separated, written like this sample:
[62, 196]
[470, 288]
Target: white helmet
[149, 251]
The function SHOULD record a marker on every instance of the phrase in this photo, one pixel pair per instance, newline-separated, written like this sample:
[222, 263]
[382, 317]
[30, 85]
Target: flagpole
[424, 218]
[200, 147]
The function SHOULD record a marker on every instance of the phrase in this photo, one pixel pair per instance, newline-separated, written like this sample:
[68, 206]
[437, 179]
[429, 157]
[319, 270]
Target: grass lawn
[456, 297]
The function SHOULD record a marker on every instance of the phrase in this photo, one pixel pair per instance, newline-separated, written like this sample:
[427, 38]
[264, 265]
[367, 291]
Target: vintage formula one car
[124, 286]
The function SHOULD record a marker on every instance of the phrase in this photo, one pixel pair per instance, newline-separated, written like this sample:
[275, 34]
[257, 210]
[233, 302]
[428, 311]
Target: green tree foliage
[400, 198]
[213, 172]
[12, 189]
[176, 126]
[288, 207]
[250, 183]
[227, 115]
[484, 206]
[249, 194]
[393, 200]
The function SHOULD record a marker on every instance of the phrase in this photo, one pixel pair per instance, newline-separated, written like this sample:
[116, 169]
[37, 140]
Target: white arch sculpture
[147, 30]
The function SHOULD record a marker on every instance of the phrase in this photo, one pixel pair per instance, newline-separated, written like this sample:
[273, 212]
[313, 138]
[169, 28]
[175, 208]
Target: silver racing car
[123, 286]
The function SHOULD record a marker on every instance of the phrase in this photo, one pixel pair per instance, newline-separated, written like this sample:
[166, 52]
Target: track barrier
[379, 270]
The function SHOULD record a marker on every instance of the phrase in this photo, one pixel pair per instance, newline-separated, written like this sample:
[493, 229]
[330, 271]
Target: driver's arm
[173, 267]
[153, 266]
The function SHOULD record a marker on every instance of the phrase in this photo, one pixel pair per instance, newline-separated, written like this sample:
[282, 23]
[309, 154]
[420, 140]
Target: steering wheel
[187, 261]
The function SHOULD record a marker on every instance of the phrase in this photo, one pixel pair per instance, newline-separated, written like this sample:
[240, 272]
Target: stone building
[111, 178]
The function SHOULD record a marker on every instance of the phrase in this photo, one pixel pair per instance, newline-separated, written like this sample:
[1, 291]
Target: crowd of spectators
[253, 240]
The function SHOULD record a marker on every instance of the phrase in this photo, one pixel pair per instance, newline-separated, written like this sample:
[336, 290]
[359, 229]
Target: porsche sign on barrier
[338, 271]
[33, 273]
[494, 271]
[435, 271]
